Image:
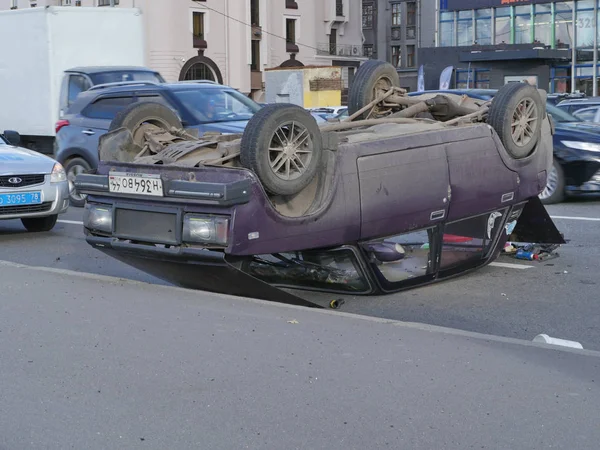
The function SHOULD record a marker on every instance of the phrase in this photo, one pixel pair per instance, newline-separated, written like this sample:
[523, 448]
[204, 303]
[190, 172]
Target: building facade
[492, 42]
[393, 31]
[234, 41]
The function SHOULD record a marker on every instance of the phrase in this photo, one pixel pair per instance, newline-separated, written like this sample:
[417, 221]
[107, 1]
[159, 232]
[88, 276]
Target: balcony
[354, 51]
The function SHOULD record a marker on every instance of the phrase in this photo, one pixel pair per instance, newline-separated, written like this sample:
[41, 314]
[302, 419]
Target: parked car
[589, 114]
[330, 111]
[33, 187]
[576, 166]
[572, 105]
[201, 105]
[353, 208]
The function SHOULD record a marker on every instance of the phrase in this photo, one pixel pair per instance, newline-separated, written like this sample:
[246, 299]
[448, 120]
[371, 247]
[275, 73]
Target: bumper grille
[25, 209]
[26, 180]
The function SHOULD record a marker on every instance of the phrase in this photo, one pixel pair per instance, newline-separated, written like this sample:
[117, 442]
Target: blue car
[576, 168]
[202, 105]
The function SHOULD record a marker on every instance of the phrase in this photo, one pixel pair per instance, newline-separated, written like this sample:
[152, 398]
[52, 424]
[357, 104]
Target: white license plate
[135, 183]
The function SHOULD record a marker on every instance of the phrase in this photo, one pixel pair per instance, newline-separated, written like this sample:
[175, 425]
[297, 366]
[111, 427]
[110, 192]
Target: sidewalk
[93, 363]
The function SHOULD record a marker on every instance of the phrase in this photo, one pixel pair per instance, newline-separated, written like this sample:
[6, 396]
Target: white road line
[591, 219]
[70, 222]
[510, 265]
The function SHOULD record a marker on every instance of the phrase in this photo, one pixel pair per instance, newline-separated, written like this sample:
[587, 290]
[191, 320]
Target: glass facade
[483, 26]
[550, 24]
[556, 25]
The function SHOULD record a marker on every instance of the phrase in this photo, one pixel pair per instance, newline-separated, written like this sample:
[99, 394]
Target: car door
[403, 189]
[95, 119]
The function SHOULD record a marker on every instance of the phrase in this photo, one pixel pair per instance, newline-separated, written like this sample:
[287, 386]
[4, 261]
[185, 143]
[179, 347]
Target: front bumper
[55, 200]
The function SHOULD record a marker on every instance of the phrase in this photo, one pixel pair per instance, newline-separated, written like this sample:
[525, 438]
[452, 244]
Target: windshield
[215, 105]
[125, 75]
[559, 115]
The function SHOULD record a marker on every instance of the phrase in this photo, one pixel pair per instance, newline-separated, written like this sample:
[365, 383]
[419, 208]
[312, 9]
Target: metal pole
[573, 49]
[595, 70]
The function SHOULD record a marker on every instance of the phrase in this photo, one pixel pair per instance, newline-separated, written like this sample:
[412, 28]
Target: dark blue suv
[203, 105]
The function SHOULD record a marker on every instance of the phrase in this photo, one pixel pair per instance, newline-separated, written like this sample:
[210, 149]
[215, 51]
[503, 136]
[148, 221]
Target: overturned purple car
[406, 191]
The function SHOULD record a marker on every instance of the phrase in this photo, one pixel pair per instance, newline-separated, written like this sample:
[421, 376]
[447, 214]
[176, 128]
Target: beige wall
[169, 33]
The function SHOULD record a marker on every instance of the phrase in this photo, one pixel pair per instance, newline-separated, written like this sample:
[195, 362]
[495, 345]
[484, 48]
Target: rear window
[107, 108]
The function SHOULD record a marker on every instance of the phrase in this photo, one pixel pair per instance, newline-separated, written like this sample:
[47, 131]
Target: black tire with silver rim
[516, 113]
[373, 79]
[73, 168]
[554, 192]
[282, 146]
[145, 116]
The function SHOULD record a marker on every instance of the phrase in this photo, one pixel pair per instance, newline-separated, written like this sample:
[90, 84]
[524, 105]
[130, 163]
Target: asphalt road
[90, 363]
[559, 297]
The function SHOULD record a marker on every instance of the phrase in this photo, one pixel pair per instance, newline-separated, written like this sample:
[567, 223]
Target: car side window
[77, 84]
[586, 115]
[107, 108]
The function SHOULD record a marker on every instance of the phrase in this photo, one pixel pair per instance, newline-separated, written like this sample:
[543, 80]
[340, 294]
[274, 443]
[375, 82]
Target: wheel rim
[382, 85]
[154, 124]
[290, 151]
[524, 122]
[71, 175]
[551, 184]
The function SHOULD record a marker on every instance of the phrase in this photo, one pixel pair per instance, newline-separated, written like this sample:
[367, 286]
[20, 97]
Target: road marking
[70, 222]
[510, 265]
[591, 219]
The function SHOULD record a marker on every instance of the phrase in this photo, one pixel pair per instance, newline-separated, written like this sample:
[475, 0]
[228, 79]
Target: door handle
[437, 215]
[89, 132]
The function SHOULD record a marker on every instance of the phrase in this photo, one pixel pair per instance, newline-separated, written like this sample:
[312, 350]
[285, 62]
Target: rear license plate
[135, 183]
[24, 198]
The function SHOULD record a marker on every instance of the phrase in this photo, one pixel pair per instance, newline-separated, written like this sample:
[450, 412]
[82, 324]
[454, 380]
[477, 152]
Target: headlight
[589, 146]
[58, 174]
[98, 218]
[205, 229]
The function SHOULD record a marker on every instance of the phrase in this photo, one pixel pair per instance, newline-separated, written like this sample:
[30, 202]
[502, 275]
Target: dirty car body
[395, 204]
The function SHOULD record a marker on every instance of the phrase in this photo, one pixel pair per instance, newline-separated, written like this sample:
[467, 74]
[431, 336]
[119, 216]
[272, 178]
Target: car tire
[554, 192]
[371, 78]
[137, 117]
[74, 167]
[520, 104]
[38, 224]
[277, 127]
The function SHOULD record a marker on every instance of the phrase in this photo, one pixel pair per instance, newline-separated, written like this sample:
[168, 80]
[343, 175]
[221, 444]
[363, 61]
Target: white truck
[51, 54]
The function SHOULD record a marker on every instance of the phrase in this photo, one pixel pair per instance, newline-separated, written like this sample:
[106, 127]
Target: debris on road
[531, 252]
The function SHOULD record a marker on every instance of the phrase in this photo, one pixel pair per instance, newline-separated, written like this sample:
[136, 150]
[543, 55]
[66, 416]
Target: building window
[255, 65]
[564, 24]
[367, 15]
[106, 2]
[396, 15]
[291, 4]
[290, 31]
[339, 8]
[66, 3]
[411, 20]
[368, 50]
[502, 35]
[396, 56]
[465, 28]
[254, 13]
[483, 26]
[523, 24]
[333, 42]
[410, 56]
[447, 29]
[198, 25]
[585, 24]
[482, 79]
[542, 27]
[474, 78]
